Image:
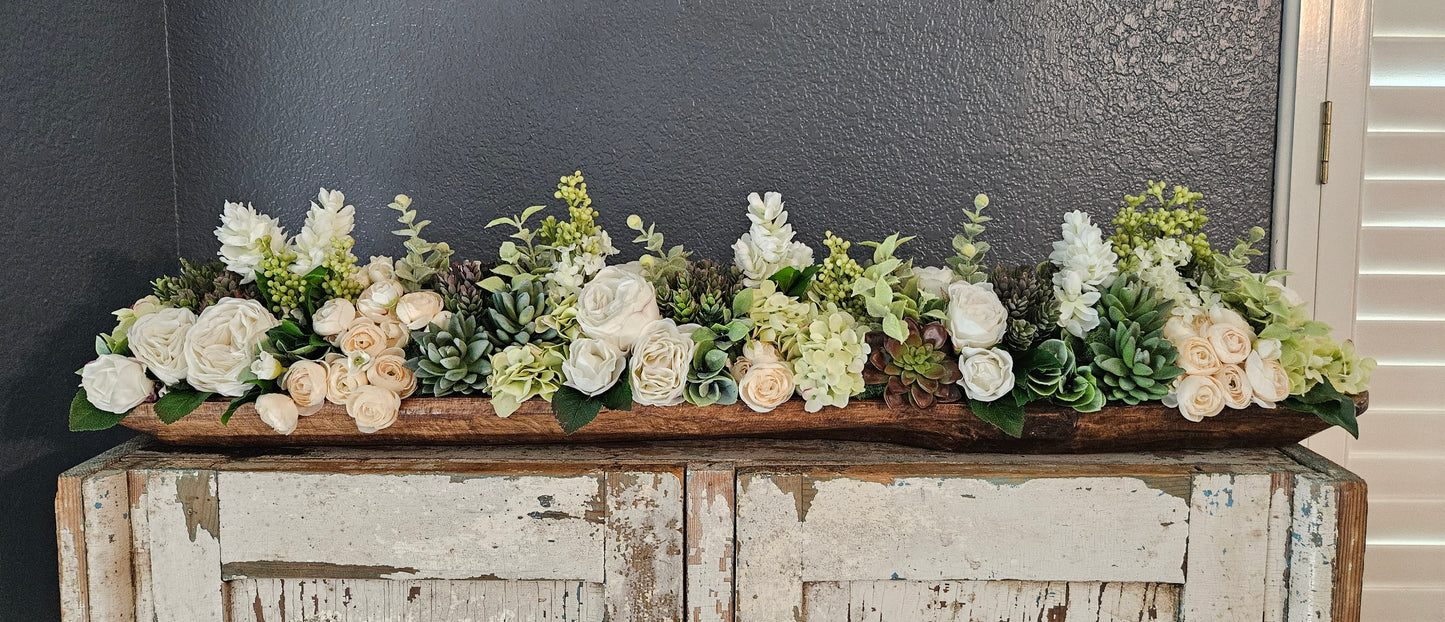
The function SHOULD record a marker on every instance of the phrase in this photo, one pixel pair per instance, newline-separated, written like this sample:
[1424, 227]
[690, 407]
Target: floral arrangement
[1149, 313]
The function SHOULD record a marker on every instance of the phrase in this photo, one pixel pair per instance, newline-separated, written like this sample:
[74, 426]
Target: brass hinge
[1327, 113]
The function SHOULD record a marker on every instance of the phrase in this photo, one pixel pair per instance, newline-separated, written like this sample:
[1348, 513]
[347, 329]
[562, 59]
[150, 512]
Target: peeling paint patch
[196, 494]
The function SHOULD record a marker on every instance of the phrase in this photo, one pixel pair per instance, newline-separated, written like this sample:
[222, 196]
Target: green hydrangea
[831, 357]
[777, 317]
[523, 371]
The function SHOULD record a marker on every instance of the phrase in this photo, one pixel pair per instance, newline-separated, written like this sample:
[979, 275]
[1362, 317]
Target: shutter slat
[1402, 250]
[1408, 155]
[1387, 604]
[1402, 341]
[1412, 18]
[1391, 565]
[1406, 108]
[1398, 202]
[1416, 296]
[1395, 477]
[1388, 432]
[1407, 61]
[1404, 387]
[1400, 521]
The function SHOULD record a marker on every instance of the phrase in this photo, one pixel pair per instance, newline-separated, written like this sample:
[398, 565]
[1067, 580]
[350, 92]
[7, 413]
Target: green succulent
[1051, 372]
[921, 370]
[708, 380]
[452, 359]
[201, 284]
[513, 313]
[700, 294]
[1027, 292]
[466, 287]
[1132, 359]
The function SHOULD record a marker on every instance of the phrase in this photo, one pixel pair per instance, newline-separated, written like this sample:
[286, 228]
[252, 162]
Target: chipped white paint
[418, 525]
[1312, 550]
[709, 543]
[1228, 548]
[1047, 529]
[769, 570]
[107, 546]
[1276, 572]
[967, 601]
[644, 556]
[179, 578]
[73, 601]
[379, 600]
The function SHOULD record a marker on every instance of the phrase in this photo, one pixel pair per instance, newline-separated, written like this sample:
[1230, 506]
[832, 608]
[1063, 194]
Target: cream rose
[389, 371]
[381, 268]
[278, 411]
[333, 317]
[341, 381]
[1198, 397]
[364, 335]
[661, 358]
[159, 340]
[935, 280]
[1237, 391]
[1231, 343]
[306, 383]
[1197, 356]
[767, 383]
[615, 306]
[374, 408]
[115, 383]
[222, 343]
[1267, 378]
[418, 309]
[378, 300]
[593, 366]
[976, 318]
[988, 374]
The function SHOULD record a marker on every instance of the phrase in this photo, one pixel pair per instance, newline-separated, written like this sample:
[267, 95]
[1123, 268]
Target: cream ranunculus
[364, 335]
[1179, 328]
[115, 383]
[661, 358]
[333, 317]
[976, 318]
[1267, 378]
[1268, 349]
[988, 374]
[767, 382]
[593, 366]
[341, 381]
[159, 340]
[223, 342]
[374, 408]
[378, 300]
[397, 334]
[418, 309]
[935, 280]
[278, 411]
[381, 268]
[306, 383]
[1197, 356]
[1199, 397]
[1231, 343]
[1237, 391]
[615, 306]
[389, 371]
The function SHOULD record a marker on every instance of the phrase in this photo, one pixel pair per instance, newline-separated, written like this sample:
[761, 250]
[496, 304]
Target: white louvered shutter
[1400, 313]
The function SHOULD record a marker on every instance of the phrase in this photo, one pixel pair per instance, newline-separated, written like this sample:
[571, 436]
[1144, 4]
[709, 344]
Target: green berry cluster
[834, 281]
[284, 289]
[341, 265]
[582, 224]
[1175, 217]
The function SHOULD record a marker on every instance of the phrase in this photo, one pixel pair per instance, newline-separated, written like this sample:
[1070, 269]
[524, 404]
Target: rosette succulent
[708, 380]
[462, 287]
[700, 294]
[921, 370]
[452, 359]
[201, 284]
[513, 313]
[1132, 359]
[1051, 372]
[1027, 293]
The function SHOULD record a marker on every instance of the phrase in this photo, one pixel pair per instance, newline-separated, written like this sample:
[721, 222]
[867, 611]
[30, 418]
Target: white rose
[379, 299]
[660, 360]
[418, 309]
[306, 382]
[1267, 378]
[389, 371]
[1231, 343]
[266, 367]
[222, 343]
[593, 366]
[976, 318]
[1199, 397]
[379, 269]
[1197, 356]
[373, 408]
[341, 381]
[115, 383]
[766, 385]
[364, 335]
[935, 280]
[615, 307]
[1237, 391]
[987, 374]
[1268, 349]
[278, 411]
[333, 317]
[159, 340]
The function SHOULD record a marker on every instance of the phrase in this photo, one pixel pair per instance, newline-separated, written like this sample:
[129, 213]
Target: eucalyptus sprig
[969, 249]
[424, 260]
[659, 265]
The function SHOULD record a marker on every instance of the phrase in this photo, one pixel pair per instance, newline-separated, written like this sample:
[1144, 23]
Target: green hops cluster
[1175, 217]
[834, 281]
[341, 267]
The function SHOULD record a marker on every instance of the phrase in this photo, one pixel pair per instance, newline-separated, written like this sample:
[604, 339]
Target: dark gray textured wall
[85, 173]
[868, 116]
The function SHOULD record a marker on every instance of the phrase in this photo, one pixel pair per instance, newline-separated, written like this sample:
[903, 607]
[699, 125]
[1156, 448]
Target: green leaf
[743, 302]
[573, 409]
[85, 417]
[249, 397]
[179, 403]
[1004, 413]
[619, 397]
[1325, 402]
[895, 327]
[101, 347]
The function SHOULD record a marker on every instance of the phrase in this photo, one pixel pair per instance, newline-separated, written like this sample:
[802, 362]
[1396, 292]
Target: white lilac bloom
[330, 220]
[1083, 251]
[768, 245]
[246, 237]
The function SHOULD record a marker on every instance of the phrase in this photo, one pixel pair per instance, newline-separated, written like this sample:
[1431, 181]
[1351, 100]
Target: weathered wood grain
[92, 532]
[426, 600]
[710, 542]
[989, 601]
[949, 427]
[1330, 533]
[644, 552]
[1229, 517]
[176, 539]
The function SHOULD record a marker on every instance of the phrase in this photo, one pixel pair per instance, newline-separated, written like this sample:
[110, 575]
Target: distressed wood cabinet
[718, 531]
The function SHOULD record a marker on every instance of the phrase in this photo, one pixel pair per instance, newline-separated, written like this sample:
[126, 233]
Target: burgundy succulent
[921, 370]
